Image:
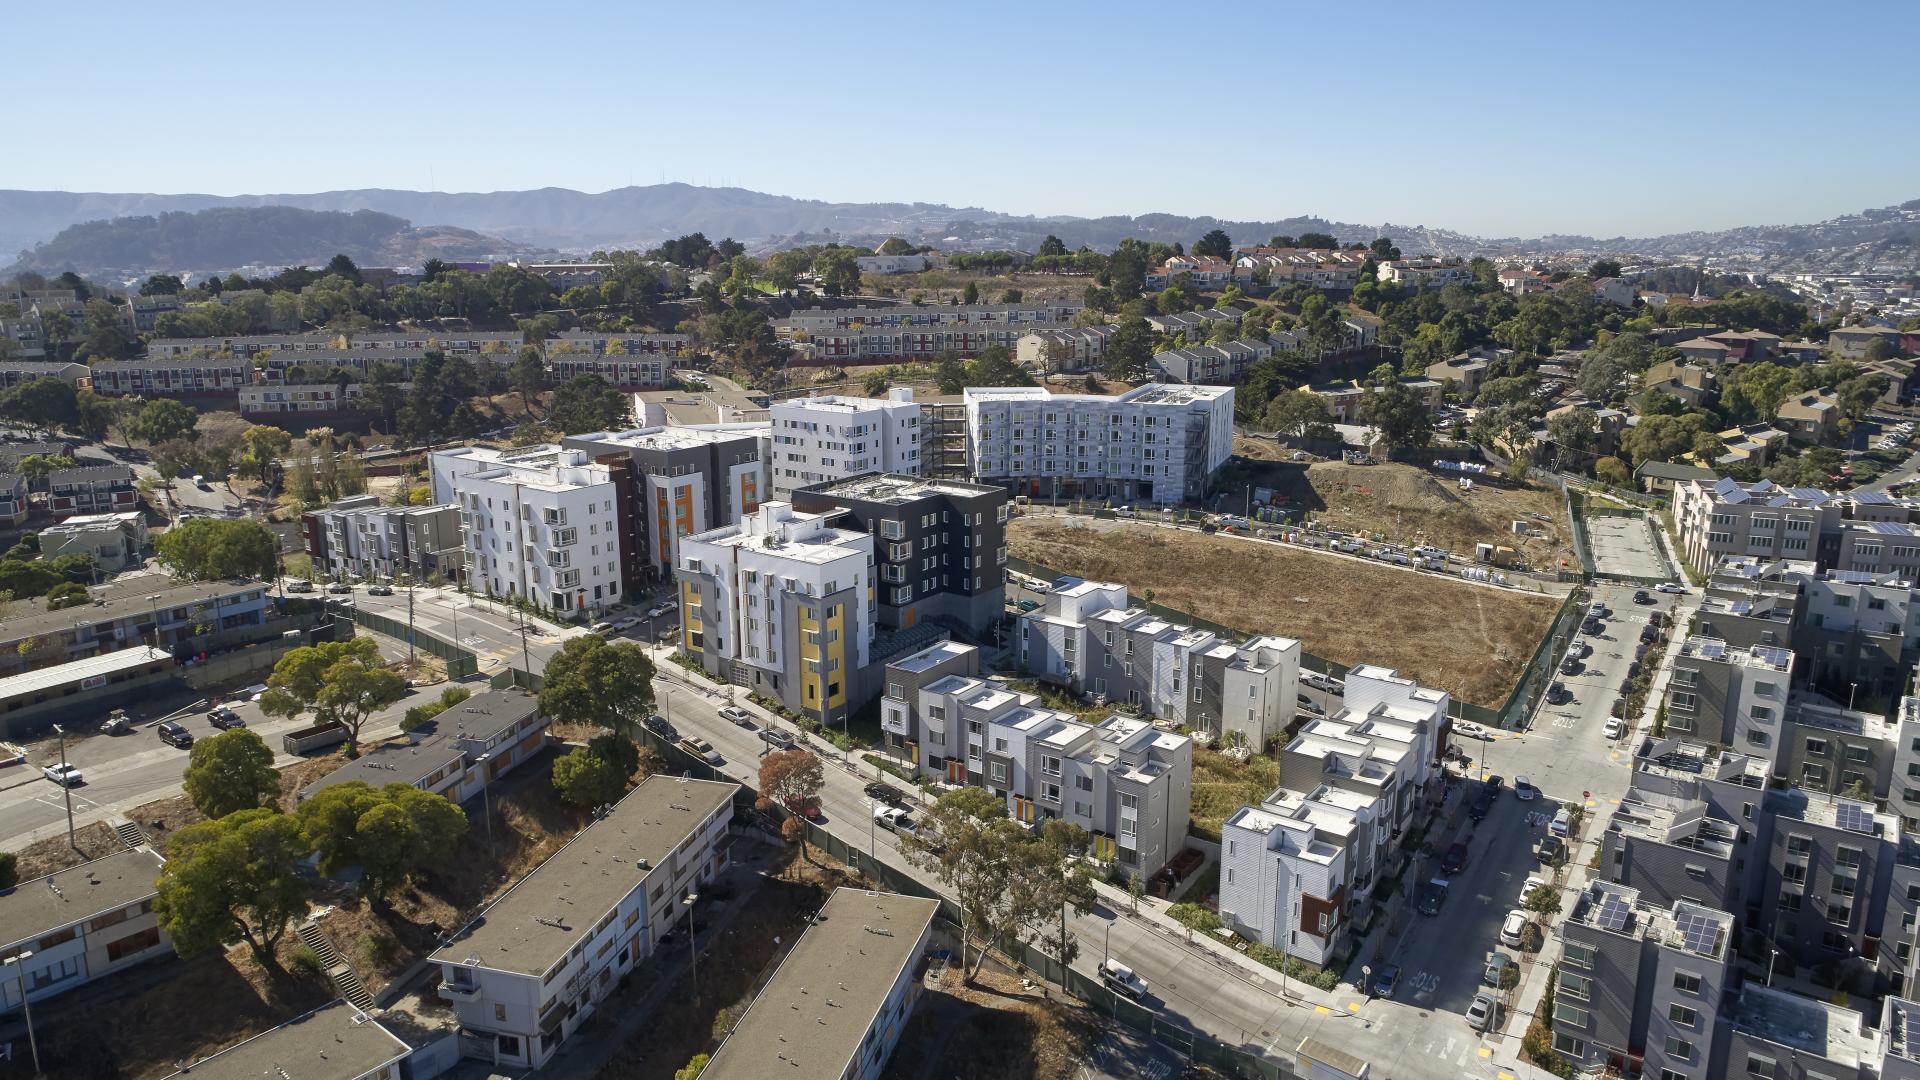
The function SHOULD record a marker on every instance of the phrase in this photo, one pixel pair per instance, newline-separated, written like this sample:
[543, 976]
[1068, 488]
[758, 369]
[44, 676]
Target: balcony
[459, 991]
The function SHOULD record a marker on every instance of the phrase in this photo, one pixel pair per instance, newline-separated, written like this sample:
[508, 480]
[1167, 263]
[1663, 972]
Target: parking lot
[1626, 546]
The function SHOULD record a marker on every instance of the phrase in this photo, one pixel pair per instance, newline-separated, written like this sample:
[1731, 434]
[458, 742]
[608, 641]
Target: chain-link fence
[460, 662]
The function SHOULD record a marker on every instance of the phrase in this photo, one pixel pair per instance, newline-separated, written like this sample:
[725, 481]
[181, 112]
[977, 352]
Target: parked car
[1513, 929]
[1386, 979]
[1672, 587]
[1431, 897]
[299, 586]
[1551, 850]
[1497, 965]
[736, 715]
[807, 806]
[1591, 626]
[662, 727]
[1482, 806]
[173, 734]
[379, 590]
[1562, 822]
[894, 820]
[1527, 887]
[623, 625]
[339, 587]
[66, 774]
[1579, 647]
[1597, 610]
[1557, 694]
[1614, 728]
[776, 738]
[702, 749]
[1309, 705]
[1642, 596]
[1482, 1013]
[1524, 790]
[117, 723]
[1572, 665]
[656, 612]
[224, 718]
[886, 794]
[1455, 860]
[1121, 979]
[600, 629]
[1494, 785]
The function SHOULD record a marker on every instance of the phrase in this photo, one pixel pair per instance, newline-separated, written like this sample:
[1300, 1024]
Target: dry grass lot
[1468, 640]
[1412, 505]
[1222, 785]
[993, 1030]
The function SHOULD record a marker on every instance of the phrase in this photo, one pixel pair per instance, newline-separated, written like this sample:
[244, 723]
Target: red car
[806, 806]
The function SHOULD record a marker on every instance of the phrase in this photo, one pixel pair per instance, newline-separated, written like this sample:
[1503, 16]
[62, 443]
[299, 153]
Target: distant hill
[643, 216]
[225, 237]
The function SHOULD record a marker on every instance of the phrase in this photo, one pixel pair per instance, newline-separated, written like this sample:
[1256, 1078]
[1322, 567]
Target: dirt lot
[1408, 504]
[993, 1030]
[1468, 640]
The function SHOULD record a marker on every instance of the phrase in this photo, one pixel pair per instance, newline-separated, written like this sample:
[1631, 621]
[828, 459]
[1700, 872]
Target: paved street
[1625, 545]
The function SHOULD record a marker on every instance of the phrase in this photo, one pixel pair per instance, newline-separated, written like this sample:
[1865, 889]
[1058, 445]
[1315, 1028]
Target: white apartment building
[1089, 638]
[1425, 273]
[818, 439]
[1296, 867]
[1125, 781]
[1155, 443]
[540, 522]
[80, 924]
[783, 604]
[1060, 350]
[536, 963]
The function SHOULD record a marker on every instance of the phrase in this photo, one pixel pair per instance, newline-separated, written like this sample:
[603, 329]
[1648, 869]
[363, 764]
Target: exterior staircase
[131, 835]
[344, 980]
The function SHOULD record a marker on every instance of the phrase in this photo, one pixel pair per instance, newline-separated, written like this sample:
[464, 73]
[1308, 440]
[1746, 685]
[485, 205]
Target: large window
[1577, 956]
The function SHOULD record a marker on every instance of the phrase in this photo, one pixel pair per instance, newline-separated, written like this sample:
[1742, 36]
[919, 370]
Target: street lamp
[20, 973]
[693, 947]
[66, 787]
[153, 605]
[1773, 953]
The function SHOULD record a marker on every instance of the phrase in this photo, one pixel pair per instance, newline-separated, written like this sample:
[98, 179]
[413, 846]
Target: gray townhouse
[1728, 695]
[1126, 782]
[1832, 750]
[1669, 847]
[359, 537]
[1855, 635]
[1773, 1032]
[1641, 980]
[1088, 638]
[1833, 862]
[940, 546]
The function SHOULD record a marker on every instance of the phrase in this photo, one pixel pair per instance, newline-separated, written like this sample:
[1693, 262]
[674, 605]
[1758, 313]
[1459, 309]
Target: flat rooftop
[47, 678]
[936, 653]
[534, 924]
[126, 596]
[333, 1042]
[1807, 1025]
[896, 490]
[667, 437]
[76, 894]
[814, 1014]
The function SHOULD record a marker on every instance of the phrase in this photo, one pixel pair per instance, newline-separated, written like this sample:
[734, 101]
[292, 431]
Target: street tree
[340, 681]
[791, 778]
[161, 420]
[1006, 880]
[231, 772]
[599, 683]
[213, 549]
[234, 879]
[394, 834]
[585, 780]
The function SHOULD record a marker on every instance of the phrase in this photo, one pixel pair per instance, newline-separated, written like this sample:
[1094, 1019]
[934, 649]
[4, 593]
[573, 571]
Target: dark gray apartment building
[1832, 862]
[940, 546]
[1855, 635]
[1670, 848]
[677, 481]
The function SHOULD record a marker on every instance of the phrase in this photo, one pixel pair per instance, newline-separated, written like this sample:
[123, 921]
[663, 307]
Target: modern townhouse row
[1089, 638]
[876, 335]
[1216, 365]
[1159, 444]
[359, 537]
[1126, 781]
[536, 963]
[91, 489]
[1864, 531]
[1296, 869]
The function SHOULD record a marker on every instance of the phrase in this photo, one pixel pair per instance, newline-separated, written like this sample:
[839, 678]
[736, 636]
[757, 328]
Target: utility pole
[526, 658]
[20, 972]
[409, 620]
[66, 788]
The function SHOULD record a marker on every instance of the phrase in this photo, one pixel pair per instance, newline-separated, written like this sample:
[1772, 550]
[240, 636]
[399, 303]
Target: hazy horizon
[1497, 122]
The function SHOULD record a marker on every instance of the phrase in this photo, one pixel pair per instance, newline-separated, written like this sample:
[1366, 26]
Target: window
[1761, 1067]
[1569, 1046]
[1793, 873]
[1816, 747]
[133, 943]
[1684, 981]
[1569, 1014]
[1577, 956]
[1847, 856]
[1679, 1048]
[998, 771]
[1682, 1015]
[1672, 1074]
[1799, 845]
[499, 1012]
[1575, 987]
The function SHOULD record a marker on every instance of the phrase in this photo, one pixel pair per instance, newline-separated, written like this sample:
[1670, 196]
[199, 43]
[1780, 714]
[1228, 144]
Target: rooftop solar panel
[1854, 817]
[1772, 656]
[1614, 914]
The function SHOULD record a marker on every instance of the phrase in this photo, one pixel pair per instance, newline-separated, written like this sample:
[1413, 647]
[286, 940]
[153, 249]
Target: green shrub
[1195, 917]
[381, 950]
[304, 961]
[9, 869]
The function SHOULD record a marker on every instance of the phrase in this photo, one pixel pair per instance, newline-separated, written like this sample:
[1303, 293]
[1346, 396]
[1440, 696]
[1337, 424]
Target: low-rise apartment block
[1730, 696]
[1213, 365]
[818, 439]
[115, 542]
[1865, 531]
[1069, 349]
[15, 372]
[1125, 781]
[163, 376]
[1090, 639]
[91, 489]
[782, 603]
[870, 948]
[940, 546]
[541, 522]
[358, 537]
[855, 335]
[1425, 273]
[1156, 444]
[461, 750]
[14, 503]
[681, 481]
[146, 610]
[80, 924]
[531, 968]
[335, 1041]
[273, 402]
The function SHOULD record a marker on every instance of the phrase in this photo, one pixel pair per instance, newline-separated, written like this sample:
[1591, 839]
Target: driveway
[1626, 546]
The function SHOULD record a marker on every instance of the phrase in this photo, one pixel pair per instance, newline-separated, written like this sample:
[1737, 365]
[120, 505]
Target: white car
[1122, 979]
[1513, 930]
[1527, 887]
[1671, 587]
[628, 623]
[1615, 727]
[654, 613]
[67, 775]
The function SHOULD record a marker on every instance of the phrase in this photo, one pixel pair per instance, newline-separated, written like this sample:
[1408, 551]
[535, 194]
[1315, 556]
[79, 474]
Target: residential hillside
[240, 236]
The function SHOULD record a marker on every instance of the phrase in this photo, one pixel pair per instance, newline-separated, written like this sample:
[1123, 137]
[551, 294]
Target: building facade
[81, 924]
[357, 537]
[818, 439]
[680, 481]
[91, 489]
[1157, 444]
[542, 522]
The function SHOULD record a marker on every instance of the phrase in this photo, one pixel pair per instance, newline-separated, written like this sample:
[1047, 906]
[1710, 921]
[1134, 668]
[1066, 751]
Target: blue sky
[1610, 119]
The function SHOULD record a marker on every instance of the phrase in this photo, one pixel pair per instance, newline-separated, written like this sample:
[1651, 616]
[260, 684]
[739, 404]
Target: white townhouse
[80, 924]
[540, 522]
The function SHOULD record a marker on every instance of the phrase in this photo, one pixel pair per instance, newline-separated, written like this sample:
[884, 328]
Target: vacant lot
[1222, 785]
[996, 1029]
[1408, 504]
[1468, 640]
